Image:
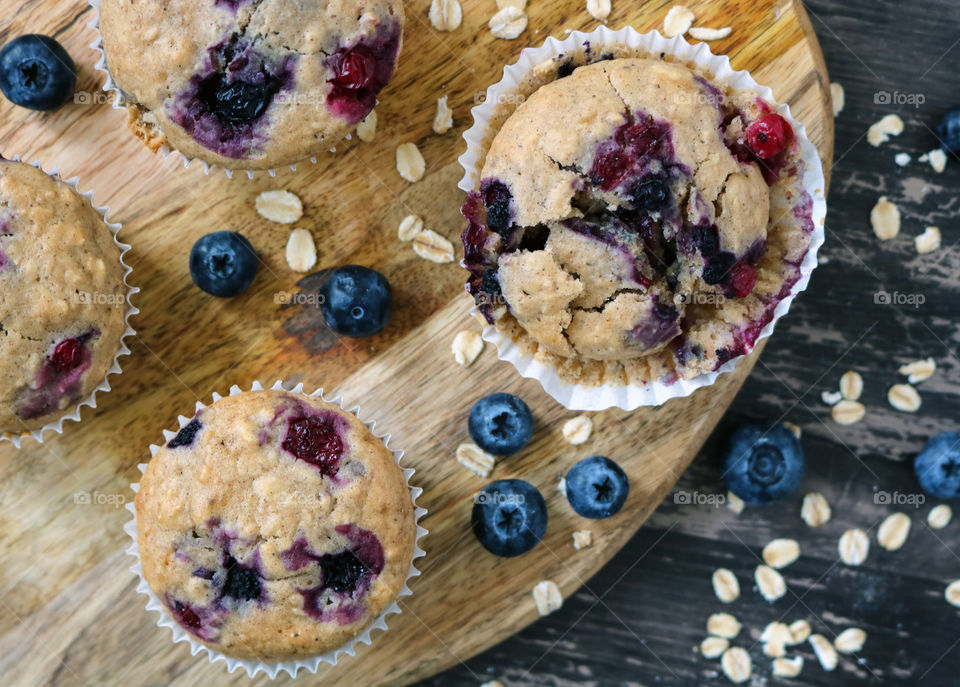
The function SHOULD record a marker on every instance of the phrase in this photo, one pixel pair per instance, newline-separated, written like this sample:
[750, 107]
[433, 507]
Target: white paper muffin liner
[120, 103]
[73, 413]
[632, 396]
[312, 664]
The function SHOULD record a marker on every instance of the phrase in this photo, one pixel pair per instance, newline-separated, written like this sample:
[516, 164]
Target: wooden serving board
[68, 610]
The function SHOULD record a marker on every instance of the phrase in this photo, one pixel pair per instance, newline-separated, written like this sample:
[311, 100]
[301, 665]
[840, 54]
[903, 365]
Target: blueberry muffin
[635, 222]
[249, 84]
[62, 298]
[274, 526]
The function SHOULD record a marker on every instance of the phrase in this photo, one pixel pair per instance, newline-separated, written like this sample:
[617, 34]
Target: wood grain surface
[69, 611]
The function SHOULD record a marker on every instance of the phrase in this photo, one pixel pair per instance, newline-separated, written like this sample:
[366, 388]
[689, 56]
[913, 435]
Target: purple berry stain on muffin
[187, 434]
[224, 107]
[198, 621]
[316, 438]
[59, 376]
[344, 576]
[360, 71]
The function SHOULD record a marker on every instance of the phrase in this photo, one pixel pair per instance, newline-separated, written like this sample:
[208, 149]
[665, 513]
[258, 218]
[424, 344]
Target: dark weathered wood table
[638, 621]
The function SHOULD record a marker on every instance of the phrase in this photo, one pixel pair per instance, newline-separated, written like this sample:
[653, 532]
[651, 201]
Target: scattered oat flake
[815, 510]
[547, 596]
[735, 503]
[598, 9]
[780, 553]
[881, 131]
[475, 459]
[492, 683]
[702, 33]
[774, 649]
[770, 583]
[725, 585]
[928, 241]
[938, 160]
[854, 546]
[279, 206]
[508, 23]
[582, 539]
[940, 516]
[678, 21]
[712, 647]
[825, 652]
[777, 633]
[851, 385]
[578, 429]
[850, 641]
[736, 665]
[893, 531]
[902, 159]
[367, 128]
[919, 370]
[848, 412]
[519, 4]
[445, 15]
[837, 97]
[793, 428]
[409, 227]
[466, 347]
[788, 667]
[410, 163]
[952, 593]
[723, 625]
[904, 397]
[429, 245]
[831, 397]
[799, 631]
[301, 252]
[885, 219]
[443, 120]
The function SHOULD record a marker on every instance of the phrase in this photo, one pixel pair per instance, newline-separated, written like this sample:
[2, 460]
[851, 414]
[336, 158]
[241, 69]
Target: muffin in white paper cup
[241, 88]
[274, 530]
[639, 216]
[67, 303]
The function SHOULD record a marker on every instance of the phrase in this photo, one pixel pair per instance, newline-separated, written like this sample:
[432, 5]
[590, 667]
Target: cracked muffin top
[62, 298]
[249, 84]
[635, 222]
[274, 526]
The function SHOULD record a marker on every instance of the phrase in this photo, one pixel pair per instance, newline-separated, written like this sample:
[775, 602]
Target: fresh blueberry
[223, 263]
[509, 517]
[763, 463]
[938, 466]
[500, 424]
[949, 130]
[36, 72]
[596, 487]
[356, 301]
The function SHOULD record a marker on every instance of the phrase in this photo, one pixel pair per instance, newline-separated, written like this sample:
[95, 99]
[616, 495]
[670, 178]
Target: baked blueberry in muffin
[635, 222]
[274, 526]
[249, 84]
[64, 299]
